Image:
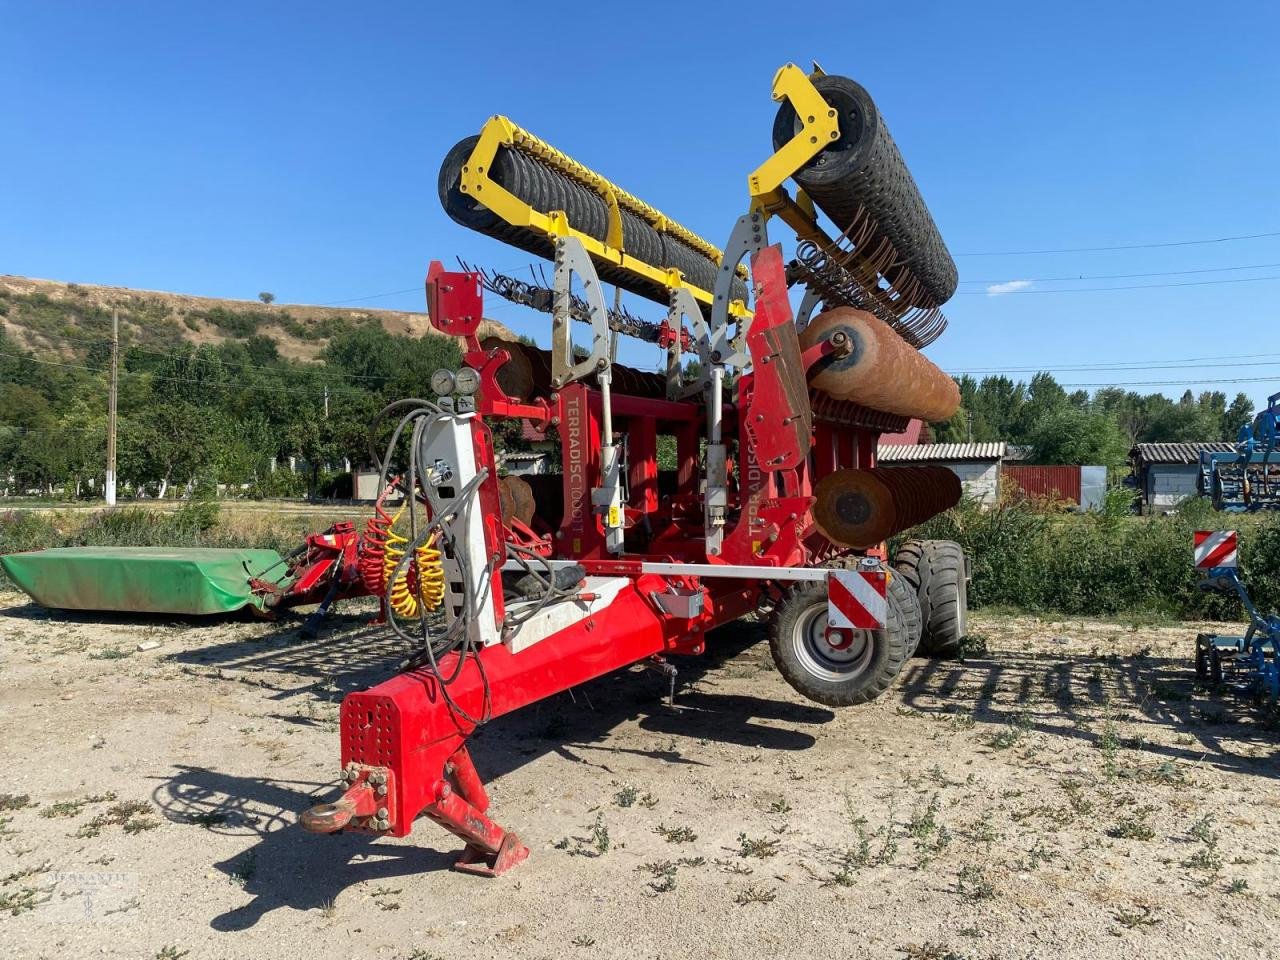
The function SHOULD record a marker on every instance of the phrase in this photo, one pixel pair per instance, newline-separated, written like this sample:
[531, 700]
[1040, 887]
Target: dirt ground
[1066, 794]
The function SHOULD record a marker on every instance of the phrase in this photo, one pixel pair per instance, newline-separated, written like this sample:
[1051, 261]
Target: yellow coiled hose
[429, 573]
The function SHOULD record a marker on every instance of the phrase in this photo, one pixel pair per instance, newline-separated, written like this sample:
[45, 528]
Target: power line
[1122, 368]
[43, 335]
[1120, 246]
[372, 296]
[1137, 286]
[1117, 364]
[1139, 369]
[1127, 276]
[26, 431]
[1171, 383]
[378, 296]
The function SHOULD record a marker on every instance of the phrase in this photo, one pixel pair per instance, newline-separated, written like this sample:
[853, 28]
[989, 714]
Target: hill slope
[52, 317]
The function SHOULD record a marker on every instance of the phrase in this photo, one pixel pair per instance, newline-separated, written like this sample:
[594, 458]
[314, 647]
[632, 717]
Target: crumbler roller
[860, 508]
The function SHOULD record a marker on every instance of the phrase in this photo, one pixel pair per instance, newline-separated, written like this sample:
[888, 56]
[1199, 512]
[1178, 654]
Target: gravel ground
[1067, 793]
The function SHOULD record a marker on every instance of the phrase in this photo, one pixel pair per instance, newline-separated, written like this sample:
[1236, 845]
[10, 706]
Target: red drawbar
[406, 726]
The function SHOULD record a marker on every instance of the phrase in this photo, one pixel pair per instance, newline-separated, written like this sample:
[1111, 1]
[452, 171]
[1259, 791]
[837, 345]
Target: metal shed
[1166, 472]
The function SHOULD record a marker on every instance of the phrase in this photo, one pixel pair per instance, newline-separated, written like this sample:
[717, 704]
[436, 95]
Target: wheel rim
[831, 658]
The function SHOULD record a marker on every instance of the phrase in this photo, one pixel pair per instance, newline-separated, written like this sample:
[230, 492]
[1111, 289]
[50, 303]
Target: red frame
[407, 740]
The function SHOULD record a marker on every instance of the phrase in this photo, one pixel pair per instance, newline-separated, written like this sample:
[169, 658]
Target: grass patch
[974, 885]
[1134, 827]
[15, 902]
[132, 816]
[763, 847]
[675, 834]
[1035, 559]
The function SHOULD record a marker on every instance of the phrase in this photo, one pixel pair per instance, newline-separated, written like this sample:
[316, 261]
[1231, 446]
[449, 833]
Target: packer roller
[508, 184]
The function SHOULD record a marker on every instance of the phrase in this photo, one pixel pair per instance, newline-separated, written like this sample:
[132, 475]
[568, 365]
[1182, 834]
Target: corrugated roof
[1177, 452]
[1019, 451]
[898, 453]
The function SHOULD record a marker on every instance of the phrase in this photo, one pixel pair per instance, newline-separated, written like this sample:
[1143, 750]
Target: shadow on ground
[1061, 695]
[288, 868]
[350, 653]
[1071, 696]
[33, 612]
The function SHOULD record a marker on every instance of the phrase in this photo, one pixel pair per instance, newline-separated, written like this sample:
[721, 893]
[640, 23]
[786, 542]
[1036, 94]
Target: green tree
[1236, 416]
[1079, 437]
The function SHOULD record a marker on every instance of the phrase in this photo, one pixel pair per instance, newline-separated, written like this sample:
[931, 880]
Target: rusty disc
[516, 499]
[830, 374]
[919, 492]
[853, 508]
[506, 502]
[526, 506]
[515, 377]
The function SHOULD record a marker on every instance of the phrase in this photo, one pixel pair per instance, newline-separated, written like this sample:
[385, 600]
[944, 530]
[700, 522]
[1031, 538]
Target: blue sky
[228, 148]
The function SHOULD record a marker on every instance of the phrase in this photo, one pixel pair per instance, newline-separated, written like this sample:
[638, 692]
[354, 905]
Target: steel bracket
[809, 303]
[684, 305]
[572, 258]
[749, 236]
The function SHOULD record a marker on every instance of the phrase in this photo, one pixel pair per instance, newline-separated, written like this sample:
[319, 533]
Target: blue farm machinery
[1247, 478]
[1248, 663]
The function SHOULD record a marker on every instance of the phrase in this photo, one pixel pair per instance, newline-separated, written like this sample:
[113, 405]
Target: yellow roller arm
[500, 132]
[819, 127]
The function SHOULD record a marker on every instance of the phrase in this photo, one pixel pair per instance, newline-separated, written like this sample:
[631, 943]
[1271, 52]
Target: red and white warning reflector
[856, 599]
[1216, 549]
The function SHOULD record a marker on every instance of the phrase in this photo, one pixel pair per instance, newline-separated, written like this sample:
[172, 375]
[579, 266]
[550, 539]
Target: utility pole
[326, 401]
[968, 420]
[111, 409]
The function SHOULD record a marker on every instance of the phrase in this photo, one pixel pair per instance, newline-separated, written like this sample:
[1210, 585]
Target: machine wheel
[1202, 660]
[902, 593]
[463, 208]
[938, 571]
[1215, 668]
[840, 671]
[907, 560]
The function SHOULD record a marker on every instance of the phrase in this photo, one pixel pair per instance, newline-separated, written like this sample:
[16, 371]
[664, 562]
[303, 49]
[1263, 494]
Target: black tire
[907, 561]
[939, 572]
[1202, 660]
[461, 207]
[836, 678]
[902, 593]
[1215, 668]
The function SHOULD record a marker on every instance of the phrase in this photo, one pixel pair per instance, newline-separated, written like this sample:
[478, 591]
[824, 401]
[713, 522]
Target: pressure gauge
[467, 381]
[443, 382]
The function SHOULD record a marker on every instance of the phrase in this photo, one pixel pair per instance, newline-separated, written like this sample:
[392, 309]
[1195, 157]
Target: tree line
[220, 414]
[203, 415]
[1080, 427]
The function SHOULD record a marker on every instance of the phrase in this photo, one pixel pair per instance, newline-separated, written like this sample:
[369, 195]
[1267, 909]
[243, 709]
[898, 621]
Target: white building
[976, 464]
